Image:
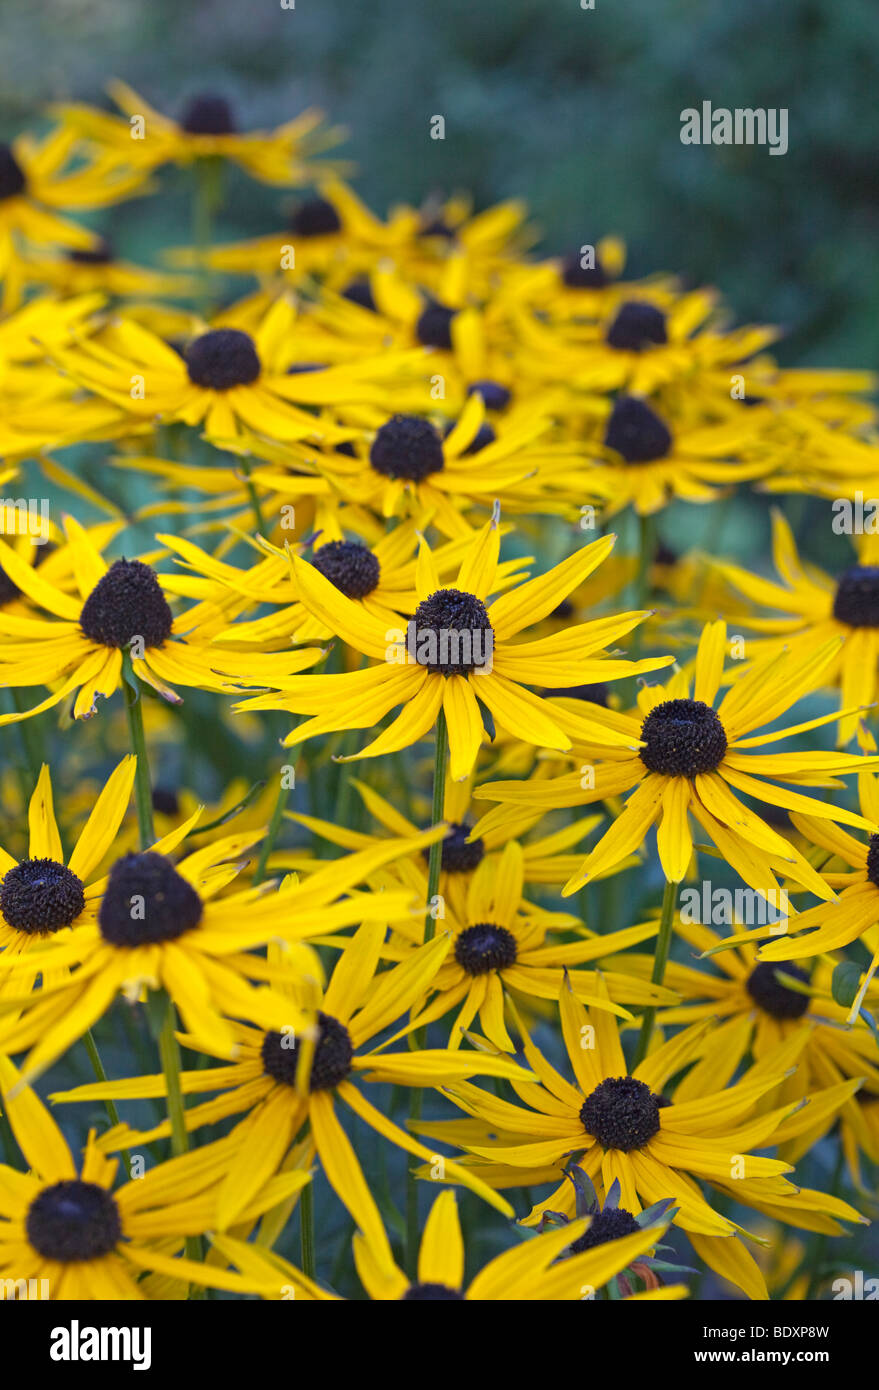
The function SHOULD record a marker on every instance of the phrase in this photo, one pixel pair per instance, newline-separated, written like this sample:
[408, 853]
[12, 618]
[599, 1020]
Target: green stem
[32, 740]
[646, 549]
[206, 197]
[818, 1243]
[169, 1052]
[91, 1048]
[660, 959]
[417, 1040]
[255, 505]
[268, 843]
[143, 794]
[306, 1229]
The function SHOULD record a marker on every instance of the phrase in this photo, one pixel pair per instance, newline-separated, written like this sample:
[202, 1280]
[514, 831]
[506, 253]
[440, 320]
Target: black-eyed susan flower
[505, 946]
[626, 1130]
[409, 466]
[693, 759]
[549, 859]
[854, 914]
[167, 925]
[141, 137]
[233, 382]
[36, 180]
[811, 608]
[380, 576]
[67, 1232]
[455, 655]
[118, 607]
[758, 1006]
[48, 891]
[533, 1272]
[644, 461]
[290, 1073]
[638, 345]
[332, 235]
[99, 268]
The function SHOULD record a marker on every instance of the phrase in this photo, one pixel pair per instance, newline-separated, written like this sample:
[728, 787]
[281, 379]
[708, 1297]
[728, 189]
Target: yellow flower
[66, 1229]
[143, 138]
[118, 607]
[456, 656]
[162, 925]
[692, 759]
[503, 947]
[289, 1073]
[650, 461]
[815, 608]
[534, 1272]
[628, 1131]
[35, 180]
[233, 382]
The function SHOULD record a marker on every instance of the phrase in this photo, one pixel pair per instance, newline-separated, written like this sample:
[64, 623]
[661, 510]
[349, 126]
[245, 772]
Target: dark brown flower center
[682, 738]
[331, 1063]
[72, 1221]
[125, 604]
[622, 1113]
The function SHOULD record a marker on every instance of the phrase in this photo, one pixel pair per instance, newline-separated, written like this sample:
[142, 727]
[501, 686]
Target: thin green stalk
[32, 739]
[169, 1052]
[818, 1242]
[416, 1041]
[646, 550]
[255, 505]
[268, 843]
[206, 197]
[306, 1229]
[91, 1048]
[660, 959]
[143, 793]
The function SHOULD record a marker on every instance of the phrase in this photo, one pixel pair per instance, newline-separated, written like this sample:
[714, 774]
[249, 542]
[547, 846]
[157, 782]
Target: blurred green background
[577, 110]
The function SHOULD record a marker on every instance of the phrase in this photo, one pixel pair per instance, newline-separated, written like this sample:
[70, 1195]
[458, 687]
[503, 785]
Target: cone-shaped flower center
[407, 447]
[636, 431]
[208, 114]
[12, 180]
[126, 603]
[622, 1113]
[873, 861]
[857, 597]
[582, 277]
[222, 359]
[331, 1063]
[610, 1224]
[315, 217]
[147, 901]
[459, 856]
[484, 436]
[485, 947]
[494, 396]
[434, 326]
[359, 291]
[351, 567]
[637, 325]
[774, 997]
[682, 738]
[451, 633]
[40, 895]
[431, 1293]
[73, 1220]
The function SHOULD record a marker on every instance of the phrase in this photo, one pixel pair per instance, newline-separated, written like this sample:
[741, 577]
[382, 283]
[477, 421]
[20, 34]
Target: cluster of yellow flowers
[348, 466]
